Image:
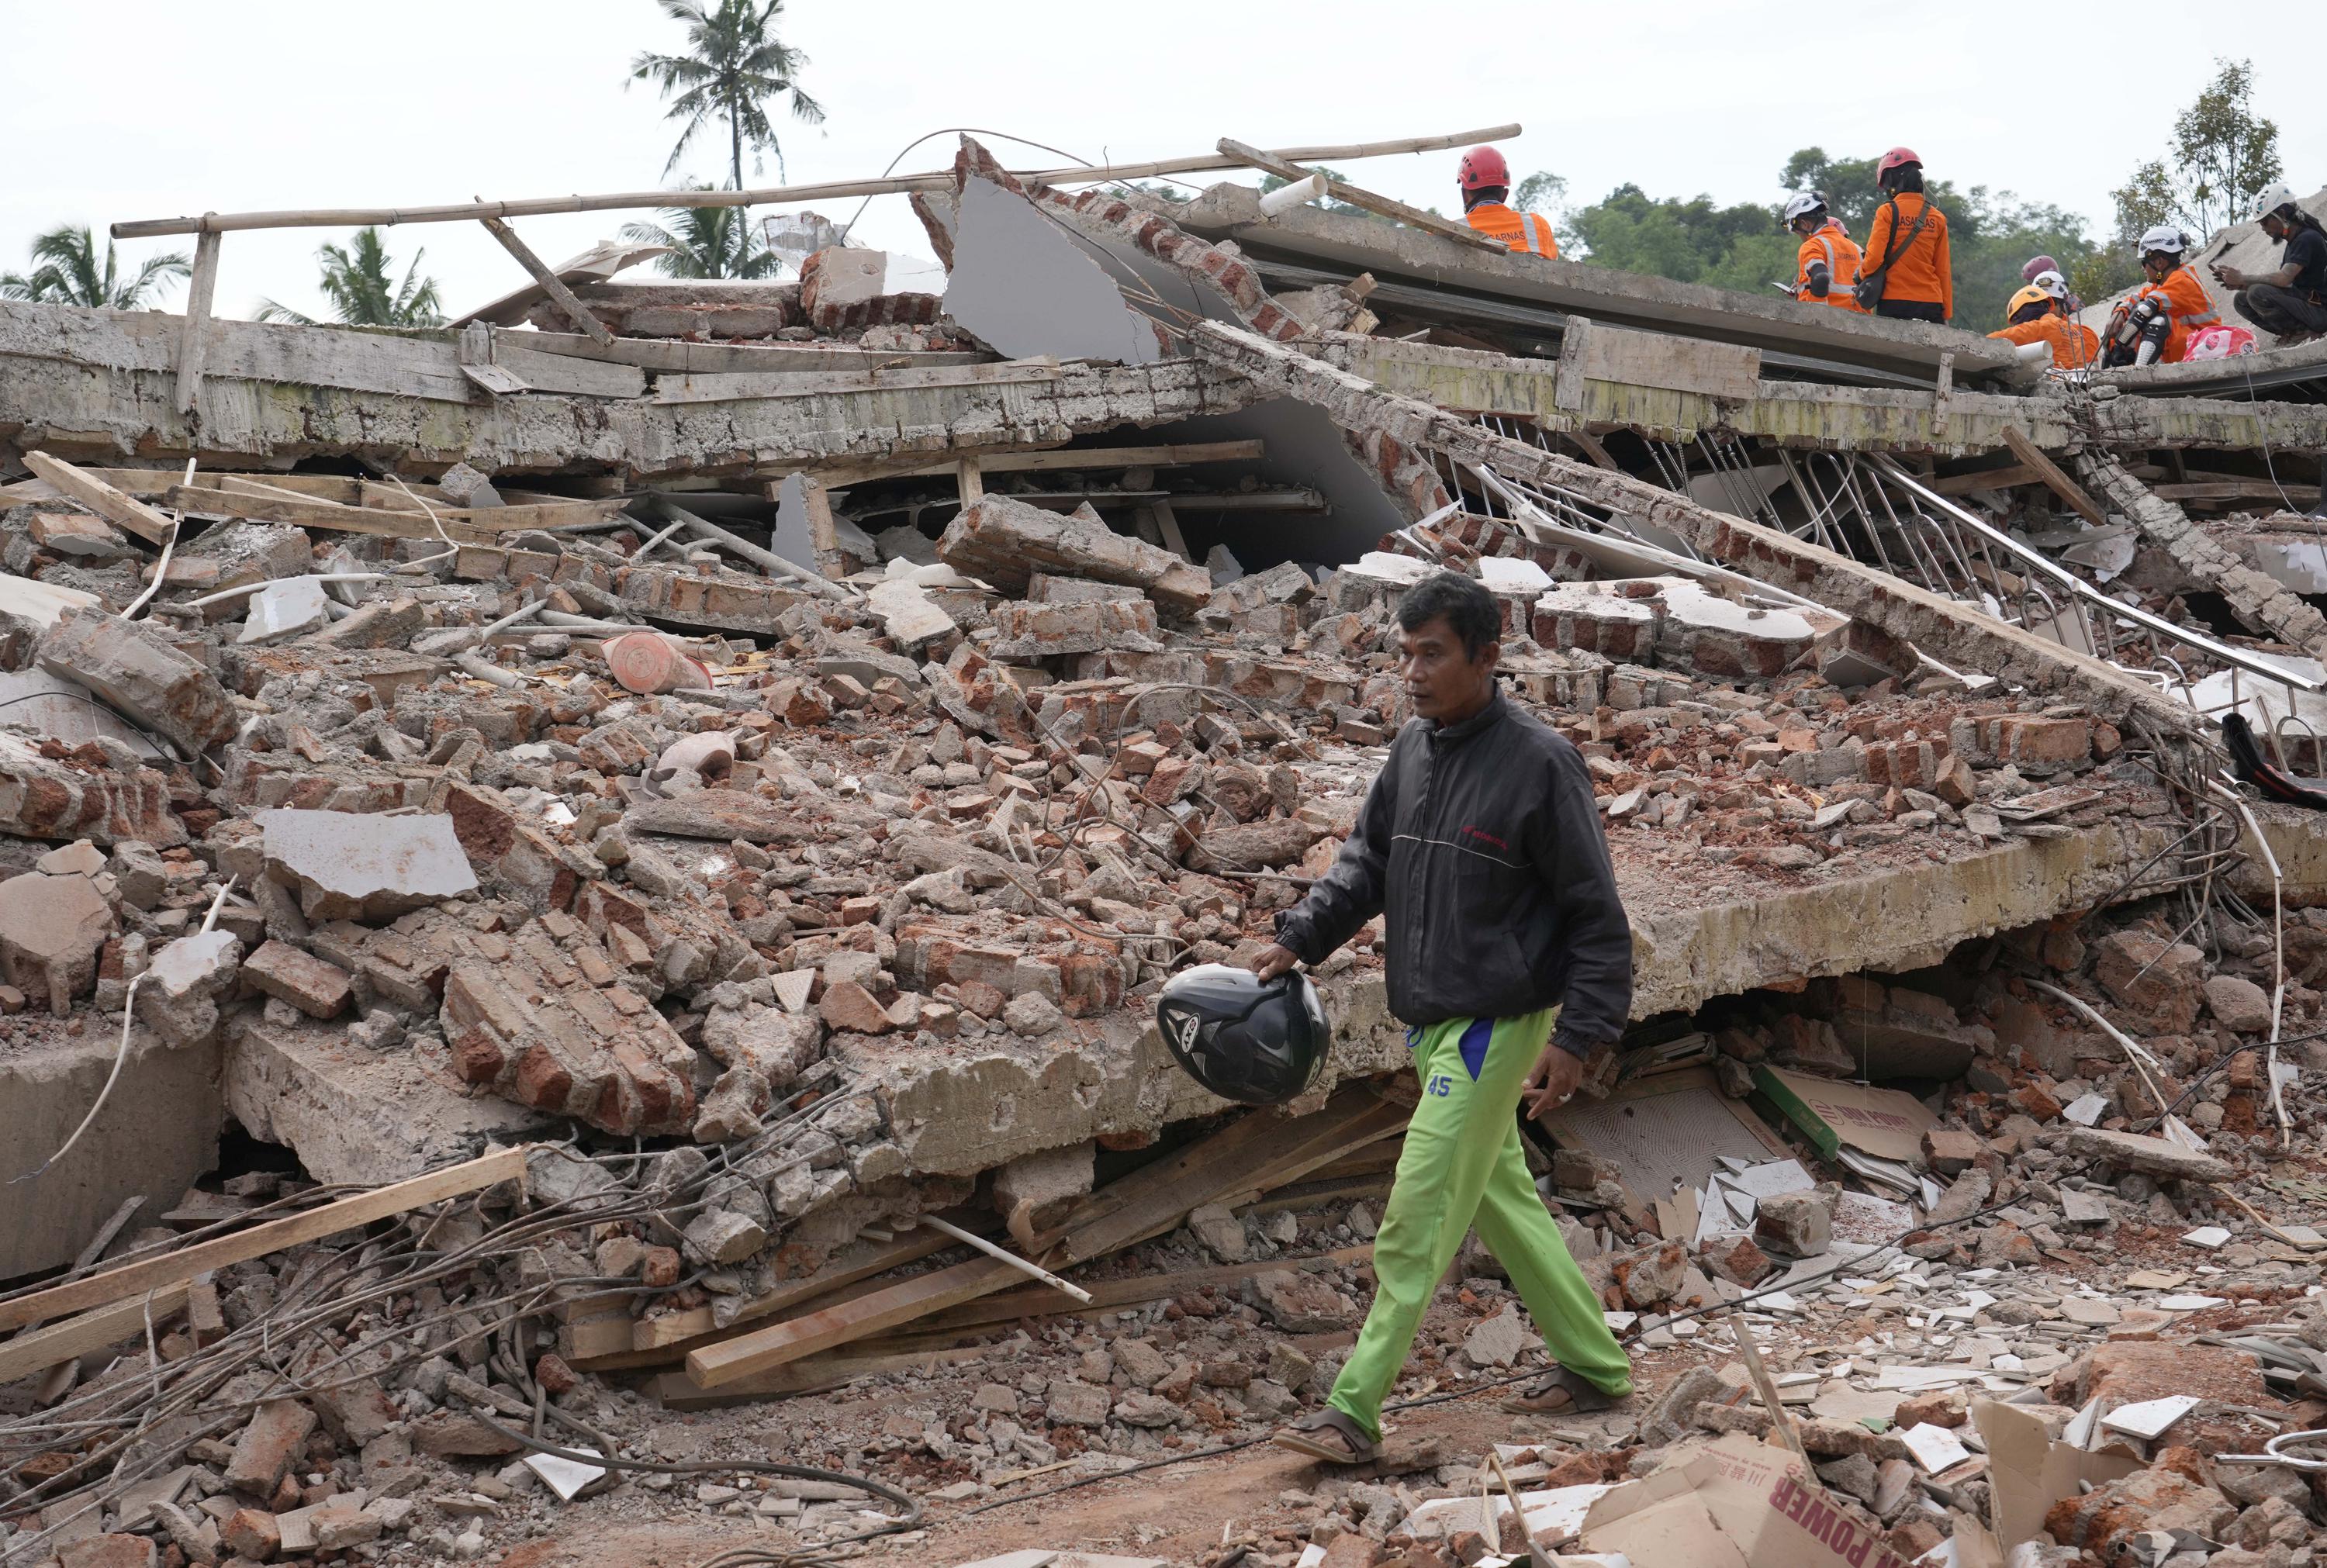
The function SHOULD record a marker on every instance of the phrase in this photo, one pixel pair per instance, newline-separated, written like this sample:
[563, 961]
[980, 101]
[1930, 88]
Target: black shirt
[2306, 252]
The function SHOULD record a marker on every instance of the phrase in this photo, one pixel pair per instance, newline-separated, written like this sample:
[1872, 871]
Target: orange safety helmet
[1483, 169]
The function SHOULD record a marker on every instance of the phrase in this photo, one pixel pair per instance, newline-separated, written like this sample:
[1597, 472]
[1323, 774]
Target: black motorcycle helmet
[1253, 1041]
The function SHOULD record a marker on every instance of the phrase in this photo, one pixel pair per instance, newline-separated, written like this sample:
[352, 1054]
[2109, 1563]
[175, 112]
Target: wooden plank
[101, 498]
[1662, 359]
[969, 484]
[1148, 1202]
[1987, 478]
[476, 524]
[601, 262]
[813, 1374]
[2038, 461]
[1106, 1295]
[992, 460]
[182, 1265]
[551, 283]
[1382, 206]
[2236, 490]
[723, 389]
[564, 374]
[858, 1260]
[42, 1348]
[344, 490]
[194, 337]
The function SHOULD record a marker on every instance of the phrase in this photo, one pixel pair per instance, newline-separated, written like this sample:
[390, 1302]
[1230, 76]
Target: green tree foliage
[66, 271]
[734, 68]
[360, 281]
[706, 242]
[2221, 158]
[1744, 246]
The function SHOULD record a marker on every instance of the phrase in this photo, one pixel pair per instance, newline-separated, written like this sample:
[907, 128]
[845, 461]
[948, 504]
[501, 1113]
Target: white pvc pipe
[1286, 197]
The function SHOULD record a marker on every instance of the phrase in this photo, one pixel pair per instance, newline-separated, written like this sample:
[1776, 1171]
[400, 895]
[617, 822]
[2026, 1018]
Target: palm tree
[733, 65]
[358, 281]
[706, 242]
[68, 273]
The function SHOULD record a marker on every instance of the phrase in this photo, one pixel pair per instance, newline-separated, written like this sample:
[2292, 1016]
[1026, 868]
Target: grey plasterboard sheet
[1660, 1136]
[1301, 446]
[1022, 285]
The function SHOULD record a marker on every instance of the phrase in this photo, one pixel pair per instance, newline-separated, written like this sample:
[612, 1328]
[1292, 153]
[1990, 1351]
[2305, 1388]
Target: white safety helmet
[1802, 203]
[2052, 282]
[2165, 237]
[2271, 200]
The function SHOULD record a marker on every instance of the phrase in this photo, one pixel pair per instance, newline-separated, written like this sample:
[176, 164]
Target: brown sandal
[1347, 1444]
[1561, 1392]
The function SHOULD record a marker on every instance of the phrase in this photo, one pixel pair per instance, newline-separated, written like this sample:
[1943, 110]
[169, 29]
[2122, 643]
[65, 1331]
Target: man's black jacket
[1481, 842]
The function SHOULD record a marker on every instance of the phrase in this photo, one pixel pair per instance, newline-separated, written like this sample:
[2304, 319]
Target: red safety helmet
[1897, 157]
[1483, 169]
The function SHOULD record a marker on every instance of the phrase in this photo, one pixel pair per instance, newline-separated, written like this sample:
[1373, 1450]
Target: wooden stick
[775, 566]
[2036, 459]
[180, 1267]
[364, 217]
[100, 498]
[1767, 1391]
[1033, 1270]
[1386, 207]
[198, 291]
[551, 283]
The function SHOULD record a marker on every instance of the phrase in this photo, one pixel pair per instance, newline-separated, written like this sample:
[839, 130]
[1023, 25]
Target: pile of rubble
[665, 913]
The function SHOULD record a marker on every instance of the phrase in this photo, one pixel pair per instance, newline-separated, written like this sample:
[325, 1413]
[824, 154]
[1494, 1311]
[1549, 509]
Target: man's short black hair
[1469, 608]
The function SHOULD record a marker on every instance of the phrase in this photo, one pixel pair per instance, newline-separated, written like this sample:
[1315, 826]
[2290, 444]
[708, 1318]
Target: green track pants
[1462, 1166]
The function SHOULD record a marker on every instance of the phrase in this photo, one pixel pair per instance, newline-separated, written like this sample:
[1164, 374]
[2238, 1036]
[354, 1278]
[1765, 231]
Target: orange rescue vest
[1832, 246]
[1523, 231]
[1923, 272]
[2186, 306]
[2074, 347]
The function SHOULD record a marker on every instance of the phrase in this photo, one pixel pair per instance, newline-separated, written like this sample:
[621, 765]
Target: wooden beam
[179, 1267]
[551, 283]
[2037, 461]
[1147, 1202]
[100, 498]
[42, 1348]
[780, 195]
[840, 475]
[1174, 539]
[200, 288]
[969, 483]
[813, 1374]
[1987, 478]
[2201, 488]
[1383, 206]
[726, 388]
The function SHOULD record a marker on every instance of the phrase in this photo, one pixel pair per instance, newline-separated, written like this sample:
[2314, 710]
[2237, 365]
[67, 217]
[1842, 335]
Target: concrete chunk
[2150, 1156]
[315, 988]
[177, 998]
[356, 866]
[129, 665]
[1006, 542]
[284, 608]
[267, 1446]
[51, 929]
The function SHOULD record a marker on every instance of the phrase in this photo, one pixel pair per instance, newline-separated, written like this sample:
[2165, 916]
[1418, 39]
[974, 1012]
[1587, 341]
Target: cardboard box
[1883, 1123]
[1739, 1502]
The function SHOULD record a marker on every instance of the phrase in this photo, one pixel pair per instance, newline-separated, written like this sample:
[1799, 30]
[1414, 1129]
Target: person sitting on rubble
[1510, 960]
[1486, 182]
[1825, 267]
[2291, 303]
[2036, 315]
[2046, 273]
[2154, 322]
[1909, 274]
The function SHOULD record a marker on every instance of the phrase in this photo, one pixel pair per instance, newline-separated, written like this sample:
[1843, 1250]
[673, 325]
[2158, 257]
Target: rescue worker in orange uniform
[1486, 182]
[2037, 316]
[2154, 323]
[1826, 269]
[1907, 264]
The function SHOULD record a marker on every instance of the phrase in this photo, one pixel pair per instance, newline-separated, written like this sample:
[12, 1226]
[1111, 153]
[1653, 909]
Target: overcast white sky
[143, 109]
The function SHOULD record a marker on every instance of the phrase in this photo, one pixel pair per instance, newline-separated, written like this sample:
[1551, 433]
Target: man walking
[1511, 960]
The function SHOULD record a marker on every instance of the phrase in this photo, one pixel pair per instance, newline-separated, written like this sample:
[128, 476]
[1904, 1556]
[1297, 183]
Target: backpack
[1868, 290]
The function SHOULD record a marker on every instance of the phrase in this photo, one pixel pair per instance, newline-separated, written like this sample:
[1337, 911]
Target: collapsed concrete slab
[364, 867]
